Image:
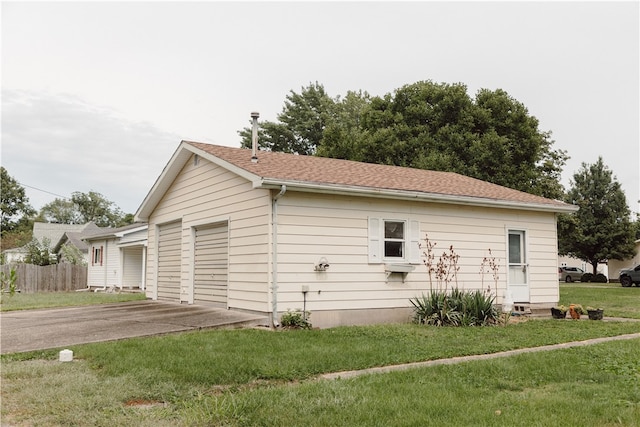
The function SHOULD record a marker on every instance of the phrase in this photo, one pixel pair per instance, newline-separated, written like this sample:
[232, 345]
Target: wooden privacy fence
[48, 278]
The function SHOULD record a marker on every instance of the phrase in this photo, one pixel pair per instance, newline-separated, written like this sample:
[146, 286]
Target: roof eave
[411, 195]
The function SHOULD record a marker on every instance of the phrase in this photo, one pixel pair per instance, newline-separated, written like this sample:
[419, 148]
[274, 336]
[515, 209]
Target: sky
[96, 96]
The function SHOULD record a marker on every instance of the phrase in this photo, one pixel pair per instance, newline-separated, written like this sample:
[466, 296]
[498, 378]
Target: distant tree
[14, 202]
[61, 211]
[15, 212]
[95, 207]
[71, 254]
[301, 123]
[126, 220]
[84, 208]
[40, 252]
[601, 230]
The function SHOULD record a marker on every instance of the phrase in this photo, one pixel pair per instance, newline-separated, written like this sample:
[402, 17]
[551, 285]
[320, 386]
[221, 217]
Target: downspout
[274, 268]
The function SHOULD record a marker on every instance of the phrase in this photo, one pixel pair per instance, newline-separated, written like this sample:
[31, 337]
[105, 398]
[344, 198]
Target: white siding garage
[211, 264]
[254, 232]
[169, 256]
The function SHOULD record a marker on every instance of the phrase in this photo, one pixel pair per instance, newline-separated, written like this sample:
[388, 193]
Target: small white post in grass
[66, 355]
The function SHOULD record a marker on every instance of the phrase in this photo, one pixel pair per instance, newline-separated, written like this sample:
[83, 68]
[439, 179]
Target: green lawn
[22, 301]
[616, 300]
[260, 377]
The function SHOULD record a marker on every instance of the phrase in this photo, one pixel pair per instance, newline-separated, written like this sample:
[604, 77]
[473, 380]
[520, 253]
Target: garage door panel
[169, 260]
[211, 264]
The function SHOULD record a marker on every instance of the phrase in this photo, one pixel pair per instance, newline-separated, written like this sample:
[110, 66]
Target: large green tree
[15, 212]
[300, 125]
[423, 125]
[83, 208]
[439, 126]
[601, 229]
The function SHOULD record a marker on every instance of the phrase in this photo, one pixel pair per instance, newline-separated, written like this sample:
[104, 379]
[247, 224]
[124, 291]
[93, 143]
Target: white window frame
[402, 241]
[411, 247]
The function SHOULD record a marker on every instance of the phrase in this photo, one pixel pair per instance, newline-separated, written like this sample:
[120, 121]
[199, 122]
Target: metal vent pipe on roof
[254, 137]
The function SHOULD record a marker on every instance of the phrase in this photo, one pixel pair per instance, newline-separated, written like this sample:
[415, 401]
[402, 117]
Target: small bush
[586, 277]
[600, 278]
[295, 320]
[459, 308]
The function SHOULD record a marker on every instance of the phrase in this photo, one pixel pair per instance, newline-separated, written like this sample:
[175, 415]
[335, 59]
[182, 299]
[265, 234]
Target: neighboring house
[75, 239]
[117, 257]
[339, 238]
[14, 255]
[615, 266]
[57, 234]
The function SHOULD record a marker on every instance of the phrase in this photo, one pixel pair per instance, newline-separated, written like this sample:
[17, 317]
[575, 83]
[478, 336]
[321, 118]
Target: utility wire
[44, 191]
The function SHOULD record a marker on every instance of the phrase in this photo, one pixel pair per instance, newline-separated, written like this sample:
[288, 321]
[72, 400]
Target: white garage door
[169, 250]
[211, 258]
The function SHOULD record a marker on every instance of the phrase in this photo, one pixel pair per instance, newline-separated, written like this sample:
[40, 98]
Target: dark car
[570, 274]
[630, 276]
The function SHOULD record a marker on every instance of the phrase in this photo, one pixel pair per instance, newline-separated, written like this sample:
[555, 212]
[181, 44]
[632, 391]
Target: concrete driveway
[62, 327]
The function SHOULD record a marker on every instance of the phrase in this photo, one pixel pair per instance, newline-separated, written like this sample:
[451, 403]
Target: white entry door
[518, 267]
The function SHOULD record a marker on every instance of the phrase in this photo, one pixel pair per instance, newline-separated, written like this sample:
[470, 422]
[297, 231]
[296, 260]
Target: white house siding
[205, 193]
[312, 226]
[107, 274]
[96, 272]
[137, 237]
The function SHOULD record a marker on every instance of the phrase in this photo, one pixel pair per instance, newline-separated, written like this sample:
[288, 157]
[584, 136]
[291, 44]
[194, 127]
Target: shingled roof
[322, 174]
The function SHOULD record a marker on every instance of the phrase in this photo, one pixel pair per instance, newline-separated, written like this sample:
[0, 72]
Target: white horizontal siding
[206, 193]
[112, 258]
[133, 237]
[313, 226]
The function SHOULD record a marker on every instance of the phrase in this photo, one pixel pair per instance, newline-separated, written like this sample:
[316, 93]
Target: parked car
[570, 274]
[630, 276]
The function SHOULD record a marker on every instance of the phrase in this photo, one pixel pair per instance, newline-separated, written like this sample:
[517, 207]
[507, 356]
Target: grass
[22, 301]
[566, 389]
[259, 377]
[616, 300]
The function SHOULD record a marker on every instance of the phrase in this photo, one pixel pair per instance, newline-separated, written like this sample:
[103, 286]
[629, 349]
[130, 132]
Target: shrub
[586, 277]
[600, 278]
[479, 308]
[295, 320]
[458, 308]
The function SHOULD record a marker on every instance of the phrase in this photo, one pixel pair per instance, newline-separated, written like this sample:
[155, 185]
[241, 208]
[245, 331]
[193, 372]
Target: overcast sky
[97, 96]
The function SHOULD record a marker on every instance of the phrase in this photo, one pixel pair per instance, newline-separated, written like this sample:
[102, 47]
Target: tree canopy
[15, 212]
[84, 208]
[602, 229]
[422, 125]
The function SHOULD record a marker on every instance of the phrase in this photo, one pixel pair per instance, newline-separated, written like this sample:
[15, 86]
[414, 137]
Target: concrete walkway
[29, 330]
[454, 360]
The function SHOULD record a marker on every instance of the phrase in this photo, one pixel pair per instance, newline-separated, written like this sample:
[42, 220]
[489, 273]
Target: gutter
[413, 195]
[274, 267]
